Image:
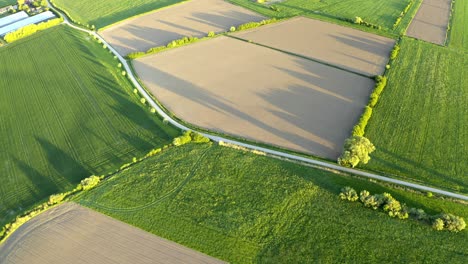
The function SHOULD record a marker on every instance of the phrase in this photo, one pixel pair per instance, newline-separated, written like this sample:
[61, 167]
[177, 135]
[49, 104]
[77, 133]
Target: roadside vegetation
[419, 126]
[105, 12]
[67, 113]
[243, 208]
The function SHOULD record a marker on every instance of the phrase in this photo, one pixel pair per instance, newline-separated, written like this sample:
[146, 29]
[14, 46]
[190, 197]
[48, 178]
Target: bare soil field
[431, 21]
[344, 47]
[193, 18]
[258, 94]
[70, 233]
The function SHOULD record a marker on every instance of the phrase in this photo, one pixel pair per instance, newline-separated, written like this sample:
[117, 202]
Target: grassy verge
[420, 125]
[65, 115]
[245, 208]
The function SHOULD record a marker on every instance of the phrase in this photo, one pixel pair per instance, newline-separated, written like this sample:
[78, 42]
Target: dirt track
[258, 93]
[431, 21]
[193, 18]
[347, 48]
[74, 234]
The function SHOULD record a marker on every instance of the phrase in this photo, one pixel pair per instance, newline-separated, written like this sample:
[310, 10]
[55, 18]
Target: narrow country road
[273, 153]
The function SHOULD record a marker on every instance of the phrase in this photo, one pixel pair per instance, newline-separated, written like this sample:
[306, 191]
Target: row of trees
[31, 29]
[394, 208]
[357, 148]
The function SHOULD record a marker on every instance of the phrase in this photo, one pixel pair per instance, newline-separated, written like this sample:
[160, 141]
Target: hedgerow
[388, 204]
[31, 29]
[402, 14]
[190, 136]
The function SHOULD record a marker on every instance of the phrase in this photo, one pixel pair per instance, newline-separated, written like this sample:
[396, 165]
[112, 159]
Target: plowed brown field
[242, 89]
[70, 233]
[193, 18]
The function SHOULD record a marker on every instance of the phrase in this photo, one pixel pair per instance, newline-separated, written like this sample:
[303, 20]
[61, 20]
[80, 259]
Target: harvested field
[431, 21]
[258, 94]
[193, 18]
[70, 233]
[343, 47]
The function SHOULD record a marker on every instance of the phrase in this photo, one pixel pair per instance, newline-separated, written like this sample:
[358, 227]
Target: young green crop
[66, 113]
[420, 125]
[246, 208]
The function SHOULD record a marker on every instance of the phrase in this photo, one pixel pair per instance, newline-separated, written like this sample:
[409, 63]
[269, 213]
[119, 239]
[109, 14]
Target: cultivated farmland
[70, 233]
[258, 93]
[346, 48]
[105, 12]
[431, 21]
[458, 28]
[245, 208]
[420, 125]
[193, 18]
[66, 113]
[6, 2]
[379, 12]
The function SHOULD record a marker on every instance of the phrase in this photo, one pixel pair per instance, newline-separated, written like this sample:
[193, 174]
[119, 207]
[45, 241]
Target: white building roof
[13, 18]
[25, 22]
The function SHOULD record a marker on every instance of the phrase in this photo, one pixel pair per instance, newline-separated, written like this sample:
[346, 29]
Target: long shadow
[416, 165]
[363, 44]
[44, 186]
[201, 96]
[65, 165]
[136, 142]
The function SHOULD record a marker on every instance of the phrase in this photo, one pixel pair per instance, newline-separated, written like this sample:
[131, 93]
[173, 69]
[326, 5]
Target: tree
[44, 3]
[356, 149]
[348, 193]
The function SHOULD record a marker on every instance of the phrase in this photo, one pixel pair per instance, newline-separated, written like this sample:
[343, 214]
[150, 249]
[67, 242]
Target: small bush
[119, 65]
[358, 20]
[56, 198]
[211, 34]
[90, 182]
[438, 224]
[232, 29]
[349, 194]
[363, 195]
[190, 136]
[124, 73]
[395, 52]
[451, 222]
[143, 100]
[418, 214]
[153, 110]
[135, 91]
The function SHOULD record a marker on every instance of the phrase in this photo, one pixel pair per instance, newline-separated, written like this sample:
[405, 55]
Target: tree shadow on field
[206, 99]
[65, 165]
[44, 186]
[407, 164]
[375, 46]
[139, 38]
[225, 20]
[137, 142]
[130, 109]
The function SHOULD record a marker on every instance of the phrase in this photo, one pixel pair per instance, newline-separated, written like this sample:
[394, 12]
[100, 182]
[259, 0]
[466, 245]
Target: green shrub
[356, 149]
[232, 29]
[395, 51]
[358, 20]
[211, 34]
[90, 182]
[182, 140]
[56, 198]
[450, 222]
[418, 214]
[360, 127]
[199, 138]
[438, 224]
[363, 195]
[349, 194]
[143, 100]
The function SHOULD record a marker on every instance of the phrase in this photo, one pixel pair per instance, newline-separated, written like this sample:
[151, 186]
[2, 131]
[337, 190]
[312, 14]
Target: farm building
[25, 22]
[13, 18]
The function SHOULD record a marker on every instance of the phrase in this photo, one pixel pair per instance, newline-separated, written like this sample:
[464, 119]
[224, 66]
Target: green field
[380, 12]
[6, 2]
[420, 125]
[459, 26]
[66, 113]
[106, 12]
[244, 208]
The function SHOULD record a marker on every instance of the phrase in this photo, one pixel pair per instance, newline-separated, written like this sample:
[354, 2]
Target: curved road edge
[162, 113]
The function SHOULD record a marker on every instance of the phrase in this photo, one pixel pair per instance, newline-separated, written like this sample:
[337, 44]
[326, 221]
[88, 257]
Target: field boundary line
[301, 56]
[337, 167]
